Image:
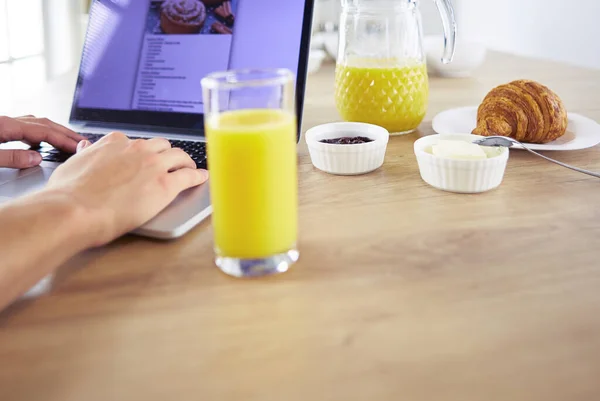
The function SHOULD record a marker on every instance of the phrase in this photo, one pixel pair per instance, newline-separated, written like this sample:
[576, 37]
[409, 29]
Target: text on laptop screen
[151, 55]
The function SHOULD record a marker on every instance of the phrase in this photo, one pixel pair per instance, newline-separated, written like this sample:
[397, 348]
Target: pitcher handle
[449, 22]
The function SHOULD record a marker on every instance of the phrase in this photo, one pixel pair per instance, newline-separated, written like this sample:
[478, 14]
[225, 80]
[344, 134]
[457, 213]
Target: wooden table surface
[402, 292]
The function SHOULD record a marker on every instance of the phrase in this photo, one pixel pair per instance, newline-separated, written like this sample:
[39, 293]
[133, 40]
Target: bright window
[3, 32]
[22, 63]
[21, 29]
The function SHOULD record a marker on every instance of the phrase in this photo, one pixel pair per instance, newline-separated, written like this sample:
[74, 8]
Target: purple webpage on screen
[143, 55]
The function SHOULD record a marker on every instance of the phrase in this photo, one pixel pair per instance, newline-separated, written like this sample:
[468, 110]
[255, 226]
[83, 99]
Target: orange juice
[383, 92]
[253, 182]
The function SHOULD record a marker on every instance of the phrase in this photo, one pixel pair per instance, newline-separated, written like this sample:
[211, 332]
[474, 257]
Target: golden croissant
[524, 110]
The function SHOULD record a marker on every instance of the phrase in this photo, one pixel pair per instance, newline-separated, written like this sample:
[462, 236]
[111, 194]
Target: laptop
[140, 74]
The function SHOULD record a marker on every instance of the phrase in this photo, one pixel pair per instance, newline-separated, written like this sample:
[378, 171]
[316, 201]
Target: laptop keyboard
[196, 150]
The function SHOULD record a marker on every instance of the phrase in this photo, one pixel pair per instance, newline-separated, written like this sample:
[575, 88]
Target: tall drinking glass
[250, 124]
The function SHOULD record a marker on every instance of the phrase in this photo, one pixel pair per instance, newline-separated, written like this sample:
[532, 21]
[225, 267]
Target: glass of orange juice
[251, 127]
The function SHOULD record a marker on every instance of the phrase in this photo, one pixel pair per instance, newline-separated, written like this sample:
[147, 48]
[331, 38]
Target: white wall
[562, 30]
[432, 22]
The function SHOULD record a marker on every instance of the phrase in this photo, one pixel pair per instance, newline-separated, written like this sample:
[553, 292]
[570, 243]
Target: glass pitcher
[381, 75]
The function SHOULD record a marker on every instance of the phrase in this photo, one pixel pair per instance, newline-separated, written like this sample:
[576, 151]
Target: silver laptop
[140, 74]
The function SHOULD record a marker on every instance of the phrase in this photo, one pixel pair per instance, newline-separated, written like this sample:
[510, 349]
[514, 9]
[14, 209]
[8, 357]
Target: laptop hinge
[136, 127]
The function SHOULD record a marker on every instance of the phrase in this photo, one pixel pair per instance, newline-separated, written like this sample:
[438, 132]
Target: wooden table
[403, 292]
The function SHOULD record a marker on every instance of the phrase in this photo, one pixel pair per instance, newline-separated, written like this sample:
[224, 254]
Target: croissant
[524, 110]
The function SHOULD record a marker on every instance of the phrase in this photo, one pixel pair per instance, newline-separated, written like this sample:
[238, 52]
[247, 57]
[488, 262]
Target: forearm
[37, 234]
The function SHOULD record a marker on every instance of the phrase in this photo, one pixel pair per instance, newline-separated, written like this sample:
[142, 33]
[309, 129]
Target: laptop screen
[143, 60]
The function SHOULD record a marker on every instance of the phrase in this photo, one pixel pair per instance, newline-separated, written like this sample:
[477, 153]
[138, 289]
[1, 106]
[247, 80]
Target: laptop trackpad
[27, 181]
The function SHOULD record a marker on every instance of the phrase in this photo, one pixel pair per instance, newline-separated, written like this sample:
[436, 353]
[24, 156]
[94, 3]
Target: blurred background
[559, 30]
[42, 39]
[39, 40]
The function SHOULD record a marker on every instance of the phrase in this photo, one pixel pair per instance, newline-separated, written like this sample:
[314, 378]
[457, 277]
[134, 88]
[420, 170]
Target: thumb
[19, 158]
[82, 145]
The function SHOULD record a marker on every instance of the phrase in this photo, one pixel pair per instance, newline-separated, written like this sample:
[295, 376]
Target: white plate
[582, 132]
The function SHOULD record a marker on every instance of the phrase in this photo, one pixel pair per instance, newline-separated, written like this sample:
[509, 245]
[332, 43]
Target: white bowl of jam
[347, 148]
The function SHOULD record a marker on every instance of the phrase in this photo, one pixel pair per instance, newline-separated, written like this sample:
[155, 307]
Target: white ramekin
[352, 159]
[463, 176]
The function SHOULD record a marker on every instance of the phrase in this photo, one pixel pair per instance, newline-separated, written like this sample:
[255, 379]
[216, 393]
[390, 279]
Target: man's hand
[33, 130]
[120, 183]
[106, 190]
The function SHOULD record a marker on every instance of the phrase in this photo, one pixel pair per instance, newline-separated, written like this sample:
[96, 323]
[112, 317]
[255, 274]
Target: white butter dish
[458, 175]
[347, 159]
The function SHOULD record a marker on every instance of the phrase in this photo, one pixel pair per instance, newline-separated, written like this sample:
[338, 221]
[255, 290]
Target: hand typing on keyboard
[122, 183]
[196, 150]
[33, 131]
[107, 189]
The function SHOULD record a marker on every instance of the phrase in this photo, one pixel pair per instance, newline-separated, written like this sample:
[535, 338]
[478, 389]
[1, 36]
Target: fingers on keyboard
[196, 150]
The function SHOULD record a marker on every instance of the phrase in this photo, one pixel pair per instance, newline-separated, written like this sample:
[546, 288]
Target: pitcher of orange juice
[381, 75]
